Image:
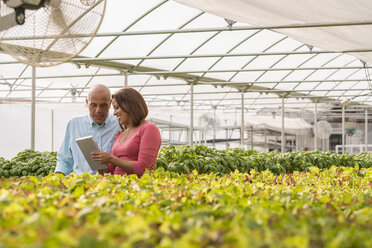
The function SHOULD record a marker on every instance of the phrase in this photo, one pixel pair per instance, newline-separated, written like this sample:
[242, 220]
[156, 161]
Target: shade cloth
[297, 12]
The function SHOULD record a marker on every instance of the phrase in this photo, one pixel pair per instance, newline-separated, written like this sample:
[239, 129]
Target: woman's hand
[101, 157]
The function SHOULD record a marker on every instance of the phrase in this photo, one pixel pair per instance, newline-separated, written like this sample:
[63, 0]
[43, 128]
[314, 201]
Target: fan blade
[54, 25]
[59, 20]
[54, 3]
[7, 21]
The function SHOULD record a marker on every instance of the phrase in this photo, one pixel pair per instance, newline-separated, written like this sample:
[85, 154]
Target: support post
[252, 138]
[242, 121]
[283, 138]
[191, 114]
[266, 149]
[343, 129]
[52, 131]
[296, 140]
[366, 129]
[315, 126]
[33, 108]
[170, 129]
[276, 143]
[214, 125]
[126, 79]
[227, 138]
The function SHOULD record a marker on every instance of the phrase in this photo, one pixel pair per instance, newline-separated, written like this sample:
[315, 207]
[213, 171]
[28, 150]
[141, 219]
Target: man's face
[98, 104]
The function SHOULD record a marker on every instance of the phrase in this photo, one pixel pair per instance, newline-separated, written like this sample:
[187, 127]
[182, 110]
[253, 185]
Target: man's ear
[86, 100]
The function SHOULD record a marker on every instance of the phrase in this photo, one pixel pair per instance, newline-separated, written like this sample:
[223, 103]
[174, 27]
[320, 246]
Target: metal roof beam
[231, 98]
[191, 56]
[195, 30]
[217, 92]
[251, 70]
[220, 83]
[285, 82]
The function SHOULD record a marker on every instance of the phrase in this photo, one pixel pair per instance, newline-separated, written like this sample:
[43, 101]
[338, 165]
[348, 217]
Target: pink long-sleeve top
[141, 147]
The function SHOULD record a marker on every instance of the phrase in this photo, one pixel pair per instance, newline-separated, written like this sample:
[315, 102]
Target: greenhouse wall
[16, 130]
[16, 127]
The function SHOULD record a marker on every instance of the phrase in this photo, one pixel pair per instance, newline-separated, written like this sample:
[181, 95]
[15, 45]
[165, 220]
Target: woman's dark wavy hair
[132, 102]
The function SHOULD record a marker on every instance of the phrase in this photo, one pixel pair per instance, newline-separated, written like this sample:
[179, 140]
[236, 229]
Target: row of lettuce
[320, 208]
[185, 159]
[29, 163]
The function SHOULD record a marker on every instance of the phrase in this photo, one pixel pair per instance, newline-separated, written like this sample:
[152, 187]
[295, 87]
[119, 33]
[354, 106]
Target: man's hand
[102, 172]
[101, 157]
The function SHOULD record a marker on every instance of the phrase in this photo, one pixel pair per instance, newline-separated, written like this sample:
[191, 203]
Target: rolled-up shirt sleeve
[150, 143]
[65, 159]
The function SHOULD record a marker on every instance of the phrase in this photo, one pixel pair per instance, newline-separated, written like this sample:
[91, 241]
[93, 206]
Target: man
[99, 123]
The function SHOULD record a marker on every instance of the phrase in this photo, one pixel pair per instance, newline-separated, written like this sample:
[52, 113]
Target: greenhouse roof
[293, 50]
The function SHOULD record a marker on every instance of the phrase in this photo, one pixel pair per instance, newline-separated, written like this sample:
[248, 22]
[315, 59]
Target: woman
[136, 147]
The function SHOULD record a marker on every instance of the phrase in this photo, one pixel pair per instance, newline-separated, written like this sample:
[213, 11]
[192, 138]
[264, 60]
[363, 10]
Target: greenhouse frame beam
[216, 99]
[176, 74]
[194, 30]
[304, 90]
[297, 107]
[222, 84]
[14, 85]
[168, 37]
[283, 58]
[65, 76]
[193, 56]
[237, 45]
[81, 59]
[228, 83]
[205, 79]
[333, 73]
[287, 93]
[220, 58]
[310, 98]
[271, 91]
[256, 57]
[185, 76]
[179, 75]
[131, 25]
[249, 70]
[344, 94]
[310, 74]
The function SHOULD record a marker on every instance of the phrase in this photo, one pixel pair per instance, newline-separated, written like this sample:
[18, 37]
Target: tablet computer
[88, 145]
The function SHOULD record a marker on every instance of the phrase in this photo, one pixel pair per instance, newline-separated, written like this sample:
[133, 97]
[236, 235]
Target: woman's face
[122, 116]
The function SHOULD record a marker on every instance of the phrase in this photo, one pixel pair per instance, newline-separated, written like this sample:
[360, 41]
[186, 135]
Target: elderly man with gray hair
[99, 123]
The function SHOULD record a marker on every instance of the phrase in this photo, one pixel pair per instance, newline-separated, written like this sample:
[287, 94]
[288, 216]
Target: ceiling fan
[48, 32]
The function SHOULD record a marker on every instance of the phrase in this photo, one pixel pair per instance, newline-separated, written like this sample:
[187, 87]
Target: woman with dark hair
[136, 147]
